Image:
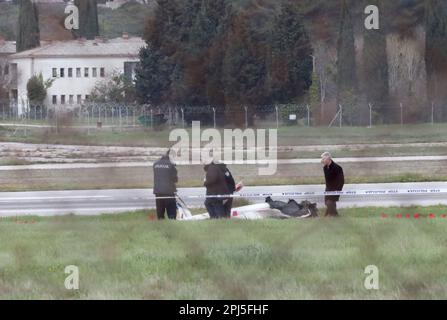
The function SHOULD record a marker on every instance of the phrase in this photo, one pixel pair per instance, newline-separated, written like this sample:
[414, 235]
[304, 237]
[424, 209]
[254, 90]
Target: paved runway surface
[93, 202]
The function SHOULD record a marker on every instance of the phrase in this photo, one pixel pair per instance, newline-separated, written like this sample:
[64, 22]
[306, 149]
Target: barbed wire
[117, 114]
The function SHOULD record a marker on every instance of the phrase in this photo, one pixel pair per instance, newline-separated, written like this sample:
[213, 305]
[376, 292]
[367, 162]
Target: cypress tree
[375, 63]
[221, 14]
[346, 66]
[155, 71]
[244, 72]
[436, 54]
[88, 19]
[28, 35]
[153, 76]
[291, 55]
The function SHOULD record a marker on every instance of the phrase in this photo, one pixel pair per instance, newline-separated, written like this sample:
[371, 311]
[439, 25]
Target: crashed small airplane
[270, 209]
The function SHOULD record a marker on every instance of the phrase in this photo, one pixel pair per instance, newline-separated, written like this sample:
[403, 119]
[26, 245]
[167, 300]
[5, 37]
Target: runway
[95, 202]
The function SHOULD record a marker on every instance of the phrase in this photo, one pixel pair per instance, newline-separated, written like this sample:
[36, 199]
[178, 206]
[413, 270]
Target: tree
[37, 88]
[28, 35]
[314, 94]
[88, 19]
[244, 71]
[292, 60]
[221, 14]
[436, 53]
[219, 53]
[346, 66]
[375, 64]
[153, 76]
[117, 89]
[407, 74]
[325, 57]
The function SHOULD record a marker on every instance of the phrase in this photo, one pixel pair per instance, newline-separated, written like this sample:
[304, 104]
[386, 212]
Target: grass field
[289, 136]
[132, 256]
[192, 176]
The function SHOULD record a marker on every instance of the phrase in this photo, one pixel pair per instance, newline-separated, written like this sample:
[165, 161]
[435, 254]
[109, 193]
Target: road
[94, 202]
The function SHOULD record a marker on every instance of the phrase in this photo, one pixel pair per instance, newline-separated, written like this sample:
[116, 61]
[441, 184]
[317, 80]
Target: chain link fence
[91, 115]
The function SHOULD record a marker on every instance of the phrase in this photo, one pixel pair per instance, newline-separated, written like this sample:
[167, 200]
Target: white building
[7, 48]
[76, 66]
[115, 4]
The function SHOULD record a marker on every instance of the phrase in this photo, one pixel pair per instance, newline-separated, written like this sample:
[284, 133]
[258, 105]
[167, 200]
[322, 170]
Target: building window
[70, 99]
[129, 70]
[87, 97]
[63, 99]
[62, 72]
[54, 99]
[102, 72]
[94, 73]
[86, 72]
[78, 99]
[78, 72]
[6, 71]
[70, 72]
[54, 72]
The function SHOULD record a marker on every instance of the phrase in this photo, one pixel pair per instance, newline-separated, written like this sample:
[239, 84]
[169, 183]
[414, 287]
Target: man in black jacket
[165, 178]
[335, 181]
[215, 184]
[231, 184]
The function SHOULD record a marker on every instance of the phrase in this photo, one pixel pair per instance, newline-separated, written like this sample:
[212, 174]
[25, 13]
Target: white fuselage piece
[250, 212]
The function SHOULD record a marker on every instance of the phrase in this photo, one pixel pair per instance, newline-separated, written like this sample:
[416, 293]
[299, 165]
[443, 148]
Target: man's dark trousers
[215, 208]
[228, 205]
[168, 204]
[331, 208]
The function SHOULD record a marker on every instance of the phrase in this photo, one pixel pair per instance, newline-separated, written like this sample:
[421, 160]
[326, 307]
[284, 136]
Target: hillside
[130, 18]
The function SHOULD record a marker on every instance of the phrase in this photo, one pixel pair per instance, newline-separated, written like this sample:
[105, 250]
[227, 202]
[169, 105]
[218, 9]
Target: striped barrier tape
[389, 192]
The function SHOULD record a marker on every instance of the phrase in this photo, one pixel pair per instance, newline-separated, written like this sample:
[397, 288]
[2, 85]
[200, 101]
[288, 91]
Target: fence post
[183, 117]
[88, 121]
[401, 114]
[133, 116]
[277, 117]
[370, 115]
[26, 112]
[308, 115]
[432, 113]
[341, 116]
[152, 120]
[120, 114]
[127, 116]
[214, 117]
[246, 116]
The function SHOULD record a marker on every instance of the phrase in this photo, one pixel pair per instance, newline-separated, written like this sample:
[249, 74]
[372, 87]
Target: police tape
[306, 194]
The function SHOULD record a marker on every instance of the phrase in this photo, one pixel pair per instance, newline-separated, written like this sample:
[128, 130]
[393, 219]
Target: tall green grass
[133, 256]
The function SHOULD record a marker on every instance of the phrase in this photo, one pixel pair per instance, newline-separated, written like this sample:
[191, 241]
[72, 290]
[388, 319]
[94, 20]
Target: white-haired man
[335, 181]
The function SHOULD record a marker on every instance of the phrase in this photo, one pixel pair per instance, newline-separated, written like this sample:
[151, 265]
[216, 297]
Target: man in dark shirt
[165, 178]
[335, 181]
[231, 184]
[215, 184]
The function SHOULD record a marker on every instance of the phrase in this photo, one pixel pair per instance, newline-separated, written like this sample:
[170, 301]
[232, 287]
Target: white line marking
[53, 198]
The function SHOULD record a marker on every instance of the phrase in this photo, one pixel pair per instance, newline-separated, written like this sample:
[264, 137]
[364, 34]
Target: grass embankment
[132, 256]
[192, 176]
[287, 136]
